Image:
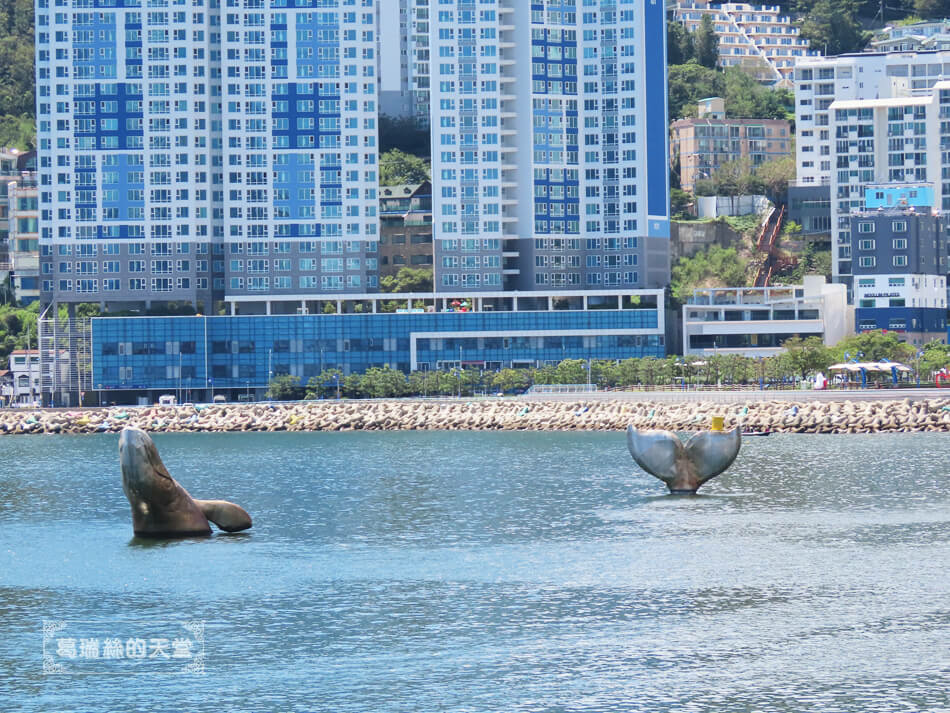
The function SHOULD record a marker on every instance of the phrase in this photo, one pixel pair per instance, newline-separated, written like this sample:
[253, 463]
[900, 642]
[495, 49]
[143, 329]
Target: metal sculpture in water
[684, 468]
[161, 507]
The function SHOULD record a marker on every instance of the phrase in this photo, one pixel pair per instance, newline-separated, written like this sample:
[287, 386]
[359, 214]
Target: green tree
[679, 43]
[737, 369]
[324, 385]
[352, 386]
[774, 176]
[932, 9]
[687, 84]
[18, 131]
[734, 179]
[706, 43]
[936, 356]
[17, 329]
[397, 168]
[651, 370]
[746, 98]
[680, 201]
[806, 356]
[832, 27]
[382, 383]
[874, 346]
[285, 388]
[511, 380]
[408, 279]
[403, 133]
[716, 267]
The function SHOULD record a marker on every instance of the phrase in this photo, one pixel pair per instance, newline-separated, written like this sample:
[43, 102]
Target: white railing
[562, 389]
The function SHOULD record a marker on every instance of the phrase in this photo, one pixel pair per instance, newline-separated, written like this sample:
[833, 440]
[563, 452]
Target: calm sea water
[489, 572]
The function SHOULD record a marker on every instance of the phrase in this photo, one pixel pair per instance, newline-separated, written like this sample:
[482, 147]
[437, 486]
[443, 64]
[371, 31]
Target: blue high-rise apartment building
[193, 150]
[204, 151]
[198, 148]
[550, 158]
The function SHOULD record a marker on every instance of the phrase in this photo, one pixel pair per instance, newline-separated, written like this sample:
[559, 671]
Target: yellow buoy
[716, 423]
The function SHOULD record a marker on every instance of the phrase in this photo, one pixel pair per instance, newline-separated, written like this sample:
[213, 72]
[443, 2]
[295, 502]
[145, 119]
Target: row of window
[871, 261]
[91, 267]
[896, 244]
[304, 264]
[488, 279]
[305, 282]
[897, 226]
[135, 284]
[471, 262]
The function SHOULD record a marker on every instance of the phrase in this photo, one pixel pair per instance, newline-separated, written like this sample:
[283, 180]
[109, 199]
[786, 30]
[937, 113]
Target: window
[867, 261]
[900, 261]
[899, 226]
[900, 243]
[865, 227]
[866, 245]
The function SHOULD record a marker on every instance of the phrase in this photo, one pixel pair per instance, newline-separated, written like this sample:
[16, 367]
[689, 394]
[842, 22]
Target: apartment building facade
[759, 39]
[927, 35]
[899, 259]
[548, 124]
[867, 119]
[19, 245]
[224, 147]
[699, 146]
[756, 321]
[405, 238]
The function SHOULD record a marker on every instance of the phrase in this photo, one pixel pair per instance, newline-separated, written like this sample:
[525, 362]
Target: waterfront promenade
[731, 396]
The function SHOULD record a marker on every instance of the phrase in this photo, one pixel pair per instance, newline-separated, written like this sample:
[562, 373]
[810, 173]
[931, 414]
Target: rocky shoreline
[492, 415]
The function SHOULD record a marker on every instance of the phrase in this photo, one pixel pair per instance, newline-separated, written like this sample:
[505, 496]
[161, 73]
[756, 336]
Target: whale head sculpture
[161, 507]
[684, 468]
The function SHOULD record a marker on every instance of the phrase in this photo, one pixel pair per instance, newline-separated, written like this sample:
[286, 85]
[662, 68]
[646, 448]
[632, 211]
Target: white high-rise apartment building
[549, 143]
[417, 68]
[195, 146]
[867, 119]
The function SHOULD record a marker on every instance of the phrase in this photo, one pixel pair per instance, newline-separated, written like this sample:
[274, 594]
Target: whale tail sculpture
[684, 468]
[161, 507]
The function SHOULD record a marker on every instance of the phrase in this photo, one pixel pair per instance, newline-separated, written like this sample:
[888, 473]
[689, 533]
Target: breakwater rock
[492, 415]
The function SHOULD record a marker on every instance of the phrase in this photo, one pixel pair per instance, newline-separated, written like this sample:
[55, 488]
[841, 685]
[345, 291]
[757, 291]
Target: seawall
[805, 416]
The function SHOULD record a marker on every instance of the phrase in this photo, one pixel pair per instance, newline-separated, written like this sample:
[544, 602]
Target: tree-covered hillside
[16, 74]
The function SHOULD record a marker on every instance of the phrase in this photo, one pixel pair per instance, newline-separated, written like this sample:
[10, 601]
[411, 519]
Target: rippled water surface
[491, 572]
